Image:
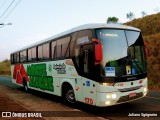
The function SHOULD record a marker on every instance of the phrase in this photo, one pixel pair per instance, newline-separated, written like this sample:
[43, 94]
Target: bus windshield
[123, 52]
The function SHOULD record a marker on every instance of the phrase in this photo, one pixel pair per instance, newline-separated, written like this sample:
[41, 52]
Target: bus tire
[69, 94]
[25, 86]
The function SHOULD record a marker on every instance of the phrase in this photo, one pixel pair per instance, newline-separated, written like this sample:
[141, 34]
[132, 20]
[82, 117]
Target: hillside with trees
[5, 67]
[150, 27]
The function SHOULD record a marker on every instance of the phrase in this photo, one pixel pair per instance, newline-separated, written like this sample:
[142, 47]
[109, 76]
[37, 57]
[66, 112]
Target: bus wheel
[25, 86]
[70, 96]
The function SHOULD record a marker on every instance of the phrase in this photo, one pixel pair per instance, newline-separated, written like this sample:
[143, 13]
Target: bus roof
[82, 27]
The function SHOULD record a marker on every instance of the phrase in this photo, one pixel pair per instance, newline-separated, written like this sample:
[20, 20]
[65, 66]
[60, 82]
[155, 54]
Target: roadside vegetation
[5, 68]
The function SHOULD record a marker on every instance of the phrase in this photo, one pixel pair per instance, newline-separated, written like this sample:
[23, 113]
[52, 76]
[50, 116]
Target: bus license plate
[132, 94]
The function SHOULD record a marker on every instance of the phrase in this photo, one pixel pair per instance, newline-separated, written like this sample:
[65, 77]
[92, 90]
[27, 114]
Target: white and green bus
[97, 64]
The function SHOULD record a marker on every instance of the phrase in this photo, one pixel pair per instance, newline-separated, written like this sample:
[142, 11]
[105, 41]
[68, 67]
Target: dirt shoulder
[8, 105]
[12, 99]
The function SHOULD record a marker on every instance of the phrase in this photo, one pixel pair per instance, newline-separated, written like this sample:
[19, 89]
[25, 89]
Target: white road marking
[153, 97]
[101, 118]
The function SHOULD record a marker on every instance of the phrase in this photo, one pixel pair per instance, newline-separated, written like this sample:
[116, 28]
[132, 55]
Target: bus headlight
[145, 89]
[108, 96]
[108, 102]
[113, 96]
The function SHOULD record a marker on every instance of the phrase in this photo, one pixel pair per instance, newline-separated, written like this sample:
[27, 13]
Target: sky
[35, 20]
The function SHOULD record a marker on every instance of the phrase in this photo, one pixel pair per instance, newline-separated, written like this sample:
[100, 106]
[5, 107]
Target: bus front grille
[130, 89]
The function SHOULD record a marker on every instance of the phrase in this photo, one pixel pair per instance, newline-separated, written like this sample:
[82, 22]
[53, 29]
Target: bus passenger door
[87, 60]
[87, 69]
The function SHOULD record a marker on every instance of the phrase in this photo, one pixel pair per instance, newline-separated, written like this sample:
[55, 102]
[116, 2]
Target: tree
[130, 16]
[112, 20]
[143, 13]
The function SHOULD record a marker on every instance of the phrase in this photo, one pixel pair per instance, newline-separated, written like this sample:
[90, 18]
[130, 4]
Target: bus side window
[65, 46]
[46, 51]
[12, 58]
[16, 58]
[62, 45]
[59, 48]
[40, 52]
[72, 44]
[83, 37]
[29, 55]
[34, 54]
[53, 51]
[23, 56]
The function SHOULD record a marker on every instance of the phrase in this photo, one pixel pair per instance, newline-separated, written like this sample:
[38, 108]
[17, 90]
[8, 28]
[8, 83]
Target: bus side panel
[57, 87]
[16, 76]
[12, 69]
[79, 89]
[89, 91]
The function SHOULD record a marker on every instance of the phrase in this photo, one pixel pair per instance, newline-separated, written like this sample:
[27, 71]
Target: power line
[7, 8]
[11, 11]
[1, 26]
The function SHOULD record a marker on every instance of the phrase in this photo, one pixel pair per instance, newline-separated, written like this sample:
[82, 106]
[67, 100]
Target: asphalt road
[147, 105]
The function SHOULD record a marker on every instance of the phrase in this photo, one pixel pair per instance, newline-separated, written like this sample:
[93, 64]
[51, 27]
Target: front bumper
[121, 97]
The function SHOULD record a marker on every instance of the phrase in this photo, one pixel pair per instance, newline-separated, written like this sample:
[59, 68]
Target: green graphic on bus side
[38, 77]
